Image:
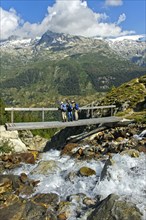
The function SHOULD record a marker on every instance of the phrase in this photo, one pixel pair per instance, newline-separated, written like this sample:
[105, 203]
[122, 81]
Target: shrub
[5, 147]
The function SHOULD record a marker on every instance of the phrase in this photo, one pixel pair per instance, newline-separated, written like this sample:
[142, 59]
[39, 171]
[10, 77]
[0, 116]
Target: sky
[102, 18]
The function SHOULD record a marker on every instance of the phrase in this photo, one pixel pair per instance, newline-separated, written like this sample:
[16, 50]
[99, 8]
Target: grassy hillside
[41, 82]
[130, 98]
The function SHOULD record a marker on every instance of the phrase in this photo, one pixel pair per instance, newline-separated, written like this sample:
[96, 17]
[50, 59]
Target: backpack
[76, 106]
[63, 107]
[69, 108]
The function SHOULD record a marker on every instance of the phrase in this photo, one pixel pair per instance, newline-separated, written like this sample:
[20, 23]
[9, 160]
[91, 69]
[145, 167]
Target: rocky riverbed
[98, 173]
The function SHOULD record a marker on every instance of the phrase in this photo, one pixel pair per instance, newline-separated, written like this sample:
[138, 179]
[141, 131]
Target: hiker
[63, 109]
[69, 111]
[75, 110]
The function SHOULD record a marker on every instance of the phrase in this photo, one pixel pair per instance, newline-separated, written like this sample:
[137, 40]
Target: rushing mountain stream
[65, 176]
[127, 178]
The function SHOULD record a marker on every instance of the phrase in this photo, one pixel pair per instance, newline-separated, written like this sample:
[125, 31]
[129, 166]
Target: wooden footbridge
[58, 124]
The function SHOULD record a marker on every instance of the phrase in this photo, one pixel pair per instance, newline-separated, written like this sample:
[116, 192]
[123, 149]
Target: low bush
[5, 147]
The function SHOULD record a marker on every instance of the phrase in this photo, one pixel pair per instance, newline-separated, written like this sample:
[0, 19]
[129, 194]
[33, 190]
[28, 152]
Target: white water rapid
[127, 177]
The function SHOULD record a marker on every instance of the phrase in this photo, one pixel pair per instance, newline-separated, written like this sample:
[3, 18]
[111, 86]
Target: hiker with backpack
[63, 109]
[75, 110]
[69, 111]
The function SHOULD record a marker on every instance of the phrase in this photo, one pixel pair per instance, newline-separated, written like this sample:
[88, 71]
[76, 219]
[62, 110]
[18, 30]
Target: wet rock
[104, 172]
[19, 185]
[108, 137]
[12, 180]
[86, 171]
[5, 184]
[23, 178]
[12, 161]
[89, 202]
[132, 142]
[141, 149]
[76, 198]
[27, 158]
[88, 151]
[68, 148]
[120, 139]
[51, 215]
[64, 210]
[77, 203]
[113, 147]
[131, 153]
[47, 200]
[112, 208]
[71, 176]
[12, 158]
[26, 190]
[8, 199]
[35, 154]
[62, 216]
[80, 152]
[23, 209]
[14, 208]
[33, 211]
[12, 211]
[46, 167]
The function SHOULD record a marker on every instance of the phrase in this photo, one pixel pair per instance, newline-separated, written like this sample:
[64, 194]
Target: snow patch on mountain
[129, 37]
[131, 47]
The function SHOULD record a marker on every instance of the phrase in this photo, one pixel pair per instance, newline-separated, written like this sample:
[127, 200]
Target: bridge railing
[12, 110]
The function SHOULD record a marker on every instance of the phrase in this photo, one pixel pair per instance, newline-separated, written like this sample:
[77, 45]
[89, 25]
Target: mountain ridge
[60, 64]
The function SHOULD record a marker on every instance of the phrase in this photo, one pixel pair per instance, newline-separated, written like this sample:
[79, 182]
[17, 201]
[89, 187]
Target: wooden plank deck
[59, 124]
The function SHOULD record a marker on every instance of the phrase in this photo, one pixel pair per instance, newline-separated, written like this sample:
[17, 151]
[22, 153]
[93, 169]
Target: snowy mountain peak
[128, 47]
[129, 37]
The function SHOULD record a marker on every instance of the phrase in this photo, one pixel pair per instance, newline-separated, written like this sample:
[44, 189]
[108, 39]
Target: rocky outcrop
[112, 208]
[11, 139]
[14, 141]
[102, 144]
[32, 142]
[60, 138]
[133, 99]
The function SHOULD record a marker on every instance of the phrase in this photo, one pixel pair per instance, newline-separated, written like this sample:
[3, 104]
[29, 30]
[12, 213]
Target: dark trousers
[70, 116]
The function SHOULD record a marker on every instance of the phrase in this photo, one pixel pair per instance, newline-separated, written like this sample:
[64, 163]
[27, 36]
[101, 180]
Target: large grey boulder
[112, 208]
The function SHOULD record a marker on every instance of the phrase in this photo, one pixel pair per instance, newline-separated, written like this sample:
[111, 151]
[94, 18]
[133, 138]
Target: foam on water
[127, 177]
[60, 184]
[140, 136]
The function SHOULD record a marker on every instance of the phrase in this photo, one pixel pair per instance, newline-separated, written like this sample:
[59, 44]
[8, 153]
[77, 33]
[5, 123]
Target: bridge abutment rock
[60, 138]
[11, 140]
[21, 141]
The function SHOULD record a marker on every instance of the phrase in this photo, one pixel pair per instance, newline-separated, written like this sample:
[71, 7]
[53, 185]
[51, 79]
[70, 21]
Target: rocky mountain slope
[130, 99]
[59, 64]
[130, 48]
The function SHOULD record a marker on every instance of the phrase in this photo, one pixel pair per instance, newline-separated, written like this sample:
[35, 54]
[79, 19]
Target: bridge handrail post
[92, 110]
[43, 114]
[112, 110]
[12, 115]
